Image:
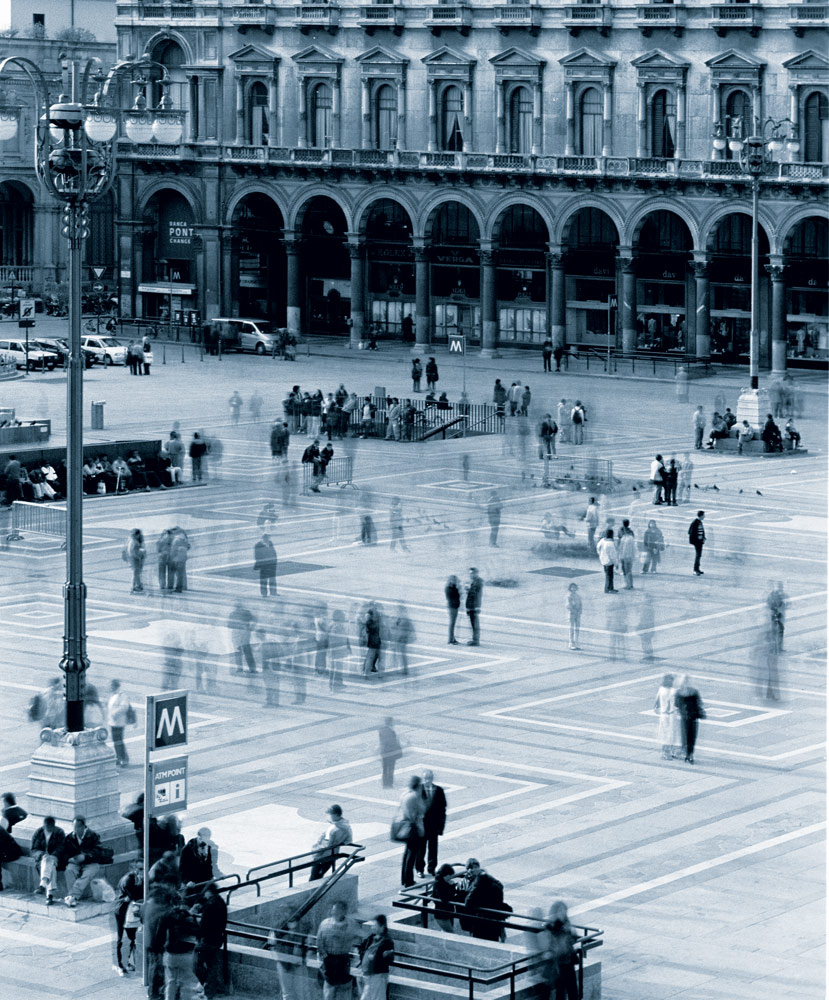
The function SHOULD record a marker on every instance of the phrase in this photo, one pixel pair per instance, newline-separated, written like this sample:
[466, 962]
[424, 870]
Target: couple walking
[474, 596]
[679, 708]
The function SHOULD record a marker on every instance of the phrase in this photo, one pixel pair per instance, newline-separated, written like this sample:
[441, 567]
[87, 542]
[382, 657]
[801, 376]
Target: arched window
[171, 56]
[520, 121]
[815, 128]
[738, 118]
[590, 123]
[451, 131]
[385, 117]
[321, 105]
[257, 114]
[663, 124]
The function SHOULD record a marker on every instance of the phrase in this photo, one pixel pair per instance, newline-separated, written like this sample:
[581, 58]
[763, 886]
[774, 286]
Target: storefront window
[457, 317]
[522, 325]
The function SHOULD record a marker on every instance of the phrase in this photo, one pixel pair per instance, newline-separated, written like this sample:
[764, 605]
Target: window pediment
[516, 64]
[735, 67]
[448, 64]
[252, 59]
[808, 67]
[380, 62]
[657, 66]
[587, 65]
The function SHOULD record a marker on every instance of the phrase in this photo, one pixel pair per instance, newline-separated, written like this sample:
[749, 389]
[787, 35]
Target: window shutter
[816, 112]
[515, 121]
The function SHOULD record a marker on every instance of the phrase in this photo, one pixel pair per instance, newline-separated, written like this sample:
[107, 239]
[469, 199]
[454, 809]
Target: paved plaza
[708, 880]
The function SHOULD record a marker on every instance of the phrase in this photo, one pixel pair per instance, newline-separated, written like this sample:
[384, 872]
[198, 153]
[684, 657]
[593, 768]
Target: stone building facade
[506, 170]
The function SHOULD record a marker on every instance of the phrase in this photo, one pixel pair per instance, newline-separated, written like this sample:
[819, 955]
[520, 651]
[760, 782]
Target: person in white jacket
[119, 710]
[626, 551]
[608, 557]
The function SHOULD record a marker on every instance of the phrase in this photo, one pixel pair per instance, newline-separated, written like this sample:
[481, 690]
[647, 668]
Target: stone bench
[23, 875]
[757, 447]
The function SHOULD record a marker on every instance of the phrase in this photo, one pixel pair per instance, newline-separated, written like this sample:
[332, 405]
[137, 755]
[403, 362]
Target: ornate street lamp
[755, 156]
[74, 157]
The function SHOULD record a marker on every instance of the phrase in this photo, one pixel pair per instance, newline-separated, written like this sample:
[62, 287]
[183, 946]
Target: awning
[168, 288]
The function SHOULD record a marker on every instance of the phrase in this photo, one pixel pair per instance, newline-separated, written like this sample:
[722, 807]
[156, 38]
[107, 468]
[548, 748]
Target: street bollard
[164, 354]
[182, 352]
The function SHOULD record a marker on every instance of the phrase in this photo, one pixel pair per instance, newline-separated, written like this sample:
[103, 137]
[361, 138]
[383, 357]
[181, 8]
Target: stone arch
[571, 207]
[795, 219]
[429, 209]
[709, 224]
[637, 219]
[169, 35]
[168, 184]
[538, 206]
[363, 207]
[245, 191]
[297, 208]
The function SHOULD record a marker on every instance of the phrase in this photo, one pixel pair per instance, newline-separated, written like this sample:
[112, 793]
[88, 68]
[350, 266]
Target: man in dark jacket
[264, 560]
[376, 956]
[696, 536]
[280, 438]
[81, 854]
[311, 456]
[434, 823]
[474, 594]
[179, 933]
[212, 914]
[195, 865]
[47, 848]
[485, 893]
[156, 910]
[453, 603]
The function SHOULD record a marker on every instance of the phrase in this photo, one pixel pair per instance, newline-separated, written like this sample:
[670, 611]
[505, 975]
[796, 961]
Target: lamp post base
[73, 774]
[753, 405]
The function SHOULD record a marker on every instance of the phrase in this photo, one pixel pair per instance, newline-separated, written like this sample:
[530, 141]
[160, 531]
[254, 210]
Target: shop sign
[381, 251]
[447, 255]
[528, 259]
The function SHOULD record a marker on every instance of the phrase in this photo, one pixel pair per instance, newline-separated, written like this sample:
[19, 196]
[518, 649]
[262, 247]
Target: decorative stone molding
[60, 737]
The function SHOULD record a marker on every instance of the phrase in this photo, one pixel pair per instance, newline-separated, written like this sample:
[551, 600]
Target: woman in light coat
[608, 557]
[667, 730]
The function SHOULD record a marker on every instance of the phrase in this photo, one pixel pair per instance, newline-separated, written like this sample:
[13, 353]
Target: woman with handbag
[126, 915]
[408, 829]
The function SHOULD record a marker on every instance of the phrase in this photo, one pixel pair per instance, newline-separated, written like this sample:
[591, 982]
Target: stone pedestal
[753, 405]
[75, 774]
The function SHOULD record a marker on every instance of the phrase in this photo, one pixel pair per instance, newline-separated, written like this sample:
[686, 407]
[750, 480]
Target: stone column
[423, 306]
[642, 122]
[607, 125]
[46, 226]
[500, 120]
[775, 271]
[433, 118]
[681, 129]
[538, 121]
[489, 314]
[335, 114]
[467, 117]
[627, 303]
[794, 110]
[230, 247]
[401, 114]
[570, 142]
[240, 111]
[558, 328]
[702, 322]
[717, 154]
[357, 253]
[273, 113]
[365, 105]
[302, 115]
[193, 117]
[292, 292]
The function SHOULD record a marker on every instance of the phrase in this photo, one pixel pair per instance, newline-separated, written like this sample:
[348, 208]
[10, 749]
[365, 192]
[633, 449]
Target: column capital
[627, 263]
[487, 257]
[700, 268]
[555, 258]
[356, 249]
[421, 251]
[775, 271]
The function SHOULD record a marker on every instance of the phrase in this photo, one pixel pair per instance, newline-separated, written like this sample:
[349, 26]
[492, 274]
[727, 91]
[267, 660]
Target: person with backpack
[578, 418]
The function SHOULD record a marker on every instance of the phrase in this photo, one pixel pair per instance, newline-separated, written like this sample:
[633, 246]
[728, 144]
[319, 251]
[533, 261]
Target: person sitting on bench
[718, 430]
[744, 435]
[772, 439]
[792, 434]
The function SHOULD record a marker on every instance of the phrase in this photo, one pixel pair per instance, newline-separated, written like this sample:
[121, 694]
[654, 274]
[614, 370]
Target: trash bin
[98, 415]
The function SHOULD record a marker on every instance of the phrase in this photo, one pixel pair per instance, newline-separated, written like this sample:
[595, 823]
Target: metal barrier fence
[592, 472]
[481, 418]
[338, 472]
[38, 519]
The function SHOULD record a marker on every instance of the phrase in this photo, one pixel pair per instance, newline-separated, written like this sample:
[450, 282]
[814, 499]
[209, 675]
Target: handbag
[131, 716]
[401, 830]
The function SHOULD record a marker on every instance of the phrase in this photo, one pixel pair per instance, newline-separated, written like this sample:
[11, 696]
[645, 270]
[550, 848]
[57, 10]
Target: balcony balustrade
[254, 16]
[449, 16]
[726, 17]
[511, 16]
[317, 16]
[381, 16]
[807, 15]
[654, 16]
[597, 16]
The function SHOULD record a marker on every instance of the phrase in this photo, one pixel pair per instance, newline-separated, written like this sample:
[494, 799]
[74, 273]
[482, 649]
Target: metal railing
[298, 863]
[38, 519]
[338, 472]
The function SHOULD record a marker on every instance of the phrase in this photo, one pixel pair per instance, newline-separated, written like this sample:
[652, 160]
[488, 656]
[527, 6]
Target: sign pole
[149, 721]
[609, 300]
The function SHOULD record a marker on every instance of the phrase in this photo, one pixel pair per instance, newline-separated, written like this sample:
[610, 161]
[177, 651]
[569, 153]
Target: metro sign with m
[169, 720]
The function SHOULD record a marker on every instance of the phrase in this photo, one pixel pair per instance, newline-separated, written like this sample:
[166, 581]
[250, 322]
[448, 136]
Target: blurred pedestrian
[563, 421]
[776, 603]
[396, 525]
[626, 552]
[368, 533]
[241, 623]
[280, 439]
[417, 374]
[411, 812]
[668, 717]
[453, 603]
[657, 479]
[264, 560]
[336, 937]
[120, 714]
[691, 710]
[574, 606]
[372, 638]
[173, 653]
[402, 633]
[559, 954]
[179, 551]
[376, 957]
[339, 649]
[255, 404]
[235, 404]
[136, 553]
[431, 375]
[493, 513]
[165, 541]
[591, 519]
[474, 597]
[654, 545]
[211, 911]
[126, 916]
[671, 477]
[390, 751]
[645, 628]
[698, 422]
[547, 354]
[578, 418]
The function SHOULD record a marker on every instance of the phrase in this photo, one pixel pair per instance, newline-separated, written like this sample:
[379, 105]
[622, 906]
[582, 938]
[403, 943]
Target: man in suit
[434, 823]
[264, 556]
[696, 536]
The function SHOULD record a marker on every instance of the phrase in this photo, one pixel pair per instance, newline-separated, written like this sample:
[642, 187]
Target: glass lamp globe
[719, 143]
[776, 145]
[8, 123]
[100, 126]
[793, 146]
[735, 145]
[167, 129]
[139, 128]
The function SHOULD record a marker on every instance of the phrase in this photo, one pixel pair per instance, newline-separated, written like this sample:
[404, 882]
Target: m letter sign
[169, 720]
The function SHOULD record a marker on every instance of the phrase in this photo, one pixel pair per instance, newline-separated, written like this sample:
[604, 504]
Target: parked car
[246, 334]
[61, 348]
[107, 350]
[37, 356]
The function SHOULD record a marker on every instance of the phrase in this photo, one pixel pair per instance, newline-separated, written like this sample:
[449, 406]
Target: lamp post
[74, 158]
[755, 155]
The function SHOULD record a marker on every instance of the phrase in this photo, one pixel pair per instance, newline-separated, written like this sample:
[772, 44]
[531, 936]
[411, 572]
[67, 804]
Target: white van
[245, 334]
[38, 357]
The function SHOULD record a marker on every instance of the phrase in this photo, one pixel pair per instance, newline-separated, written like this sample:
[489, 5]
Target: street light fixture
[755, 155]
[74, 158]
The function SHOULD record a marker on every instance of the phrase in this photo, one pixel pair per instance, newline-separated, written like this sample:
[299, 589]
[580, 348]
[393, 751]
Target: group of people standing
[679, 708]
